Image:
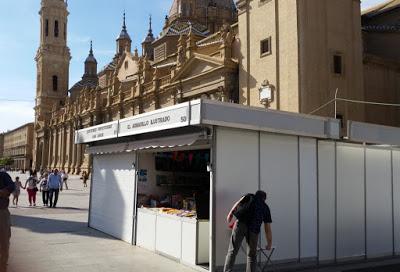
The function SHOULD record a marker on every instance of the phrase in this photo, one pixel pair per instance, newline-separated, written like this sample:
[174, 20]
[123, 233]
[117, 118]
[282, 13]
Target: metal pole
[336, 92]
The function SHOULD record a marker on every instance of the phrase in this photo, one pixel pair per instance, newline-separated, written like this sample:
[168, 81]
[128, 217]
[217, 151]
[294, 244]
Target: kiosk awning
[164, 142]
[174, 141]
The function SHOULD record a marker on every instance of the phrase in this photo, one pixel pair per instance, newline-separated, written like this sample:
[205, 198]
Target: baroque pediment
[127, 66]
[198, 65]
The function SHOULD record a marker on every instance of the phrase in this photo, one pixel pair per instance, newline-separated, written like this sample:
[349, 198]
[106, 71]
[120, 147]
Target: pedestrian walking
[64, 178]
[54, 184]
[6, 188]
[251, 211]
[44, 188]
[31, 187]
[84, 178]
[17, 191]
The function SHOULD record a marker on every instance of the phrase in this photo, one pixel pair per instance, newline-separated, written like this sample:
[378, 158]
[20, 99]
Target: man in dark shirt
[6, 188]
[250, 230]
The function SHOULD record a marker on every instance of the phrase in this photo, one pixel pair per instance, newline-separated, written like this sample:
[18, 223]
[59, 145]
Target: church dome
[201, 4]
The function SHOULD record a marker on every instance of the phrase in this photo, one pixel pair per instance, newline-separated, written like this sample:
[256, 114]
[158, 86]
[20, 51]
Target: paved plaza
[58, 240]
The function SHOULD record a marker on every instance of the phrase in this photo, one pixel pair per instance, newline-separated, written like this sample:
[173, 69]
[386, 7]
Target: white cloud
[370, 3]
[76, 39]
[15, 114]
[105, 52]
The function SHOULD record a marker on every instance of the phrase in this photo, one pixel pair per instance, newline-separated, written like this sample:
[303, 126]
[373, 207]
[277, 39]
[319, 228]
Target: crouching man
[6, 188]
[251, 211]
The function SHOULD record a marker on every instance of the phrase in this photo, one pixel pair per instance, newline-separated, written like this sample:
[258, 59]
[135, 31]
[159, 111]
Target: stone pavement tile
[58, 240]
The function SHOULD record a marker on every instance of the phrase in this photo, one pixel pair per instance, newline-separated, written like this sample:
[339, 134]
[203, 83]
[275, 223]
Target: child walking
[44, 188]
[17, 191]
[84, 178]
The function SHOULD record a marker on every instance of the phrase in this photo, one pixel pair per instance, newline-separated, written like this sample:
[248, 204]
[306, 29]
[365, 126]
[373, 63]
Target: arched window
[56, 28]
[55, 83]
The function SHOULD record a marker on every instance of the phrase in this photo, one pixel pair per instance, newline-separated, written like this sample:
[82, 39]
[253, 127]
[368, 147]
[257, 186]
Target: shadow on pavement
[387, 268]
[51, 226]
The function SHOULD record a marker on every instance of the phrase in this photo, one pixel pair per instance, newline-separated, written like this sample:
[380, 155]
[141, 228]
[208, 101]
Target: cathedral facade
[302, 51]
[191, 59]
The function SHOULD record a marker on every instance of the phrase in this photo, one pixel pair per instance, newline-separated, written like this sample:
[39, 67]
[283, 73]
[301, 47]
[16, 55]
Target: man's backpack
[244, 211]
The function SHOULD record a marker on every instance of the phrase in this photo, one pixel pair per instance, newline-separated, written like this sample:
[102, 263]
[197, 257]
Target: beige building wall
[382, 84]
[305, 35]
[329, 28]
[385, 45]
[382, 62]
[277, 21]
[18, 145]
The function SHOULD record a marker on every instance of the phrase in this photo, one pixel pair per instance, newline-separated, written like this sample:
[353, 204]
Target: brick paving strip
[58, 240]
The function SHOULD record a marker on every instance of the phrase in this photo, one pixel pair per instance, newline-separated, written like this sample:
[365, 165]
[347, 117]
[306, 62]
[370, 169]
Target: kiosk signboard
[173, 117]
[97, 133]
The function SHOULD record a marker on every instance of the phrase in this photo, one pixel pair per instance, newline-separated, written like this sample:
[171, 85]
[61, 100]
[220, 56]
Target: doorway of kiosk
[173, 204]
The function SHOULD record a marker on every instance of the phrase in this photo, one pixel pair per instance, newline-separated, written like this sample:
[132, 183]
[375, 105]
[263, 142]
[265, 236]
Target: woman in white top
[31, 187]
[17, 191]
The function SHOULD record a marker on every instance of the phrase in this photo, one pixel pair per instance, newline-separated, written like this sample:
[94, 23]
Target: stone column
[85, 159]
[43, 161]
[73, 149]
[55, 147]
[63, 147]
[60, 147]
[73, 159]
[37, 156]
[78, 159]
[68, 151]
[50, 150]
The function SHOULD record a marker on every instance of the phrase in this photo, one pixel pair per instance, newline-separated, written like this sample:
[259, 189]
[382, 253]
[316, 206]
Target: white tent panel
[236, 175]
[396, 200]
[280, 179]
[308, 198]
[326, 200]
[350, 201]
[379, 202]
[112, 196]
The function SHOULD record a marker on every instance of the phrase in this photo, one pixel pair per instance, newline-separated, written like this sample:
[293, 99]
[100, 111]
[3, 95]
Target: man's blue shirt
[54, 181]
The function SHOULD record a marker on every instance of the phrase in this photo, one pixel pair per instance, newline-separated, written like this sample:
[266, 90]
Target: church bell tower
[52, 58]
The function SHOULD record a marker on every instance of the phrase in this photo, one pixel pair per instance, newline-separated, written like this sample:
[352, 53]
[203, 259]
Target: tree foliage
[6, 161]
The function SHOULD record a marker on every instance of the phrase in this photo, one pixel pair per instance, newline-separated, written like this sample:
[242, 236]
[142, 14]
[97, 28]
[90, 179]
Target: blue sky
[99, 20]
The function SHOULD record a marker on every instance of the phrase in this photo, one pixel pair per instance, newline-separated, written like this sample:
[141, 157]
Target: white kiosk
[328, 197]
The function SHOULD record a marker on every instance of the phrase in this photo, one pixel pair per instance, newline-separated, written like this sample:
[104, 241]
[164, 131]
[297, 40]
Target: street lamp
[265, 93]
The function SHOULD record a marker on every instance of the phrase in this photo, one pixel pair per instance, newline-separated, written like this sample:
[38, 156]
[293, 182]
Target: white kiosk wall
[280, 179]
[350, 201]
[379, 202]
[236, 174]
[308, 198]
[326, 200]
[112, 196]
[396, 200]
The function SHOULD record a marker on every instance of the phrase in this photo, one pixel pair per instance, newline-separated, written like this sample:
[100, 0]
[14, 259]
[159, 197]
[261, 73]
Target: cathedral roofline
[91, 57]
[124, 32]
[150, 37]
